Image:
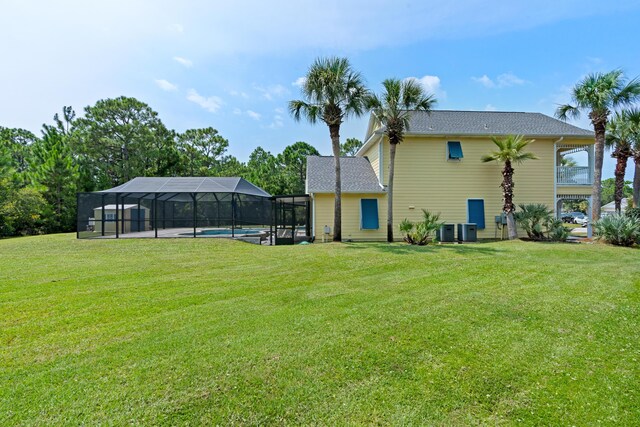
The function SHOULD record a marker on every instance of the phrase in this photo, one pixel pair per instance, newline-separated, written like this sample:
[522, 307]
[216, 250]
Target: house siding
[373, 154]
[425, 179]
[323, 215]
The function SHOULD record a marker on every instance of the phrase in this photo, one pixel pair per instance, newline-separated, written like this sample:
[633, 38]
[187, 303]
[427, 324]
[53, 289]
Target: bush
[556, 230]
[618, 230]
[420, 233]
[633, 213]
[538, 221]
[533, 219]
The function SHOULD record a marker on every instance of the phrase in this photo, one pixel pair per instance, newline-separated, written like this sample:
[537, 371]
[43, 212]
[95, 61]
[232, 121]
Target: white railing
[573, 175]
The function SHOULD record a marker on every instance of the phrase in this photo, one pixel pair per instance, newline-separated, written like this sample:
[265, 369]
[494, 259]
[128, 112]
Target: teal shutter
[369, 214]
[455, 150]
[475, 212]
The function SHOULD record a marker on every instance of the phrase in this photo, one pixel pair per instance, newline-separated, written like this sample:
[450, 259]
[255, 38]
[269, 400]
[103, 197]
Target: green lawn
[206, 331]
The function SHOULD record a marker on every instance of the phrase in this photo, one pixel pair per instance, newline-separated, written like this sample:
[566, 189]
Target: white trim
[366, 144]
[555, 178]
[381, 162]
[313, 216]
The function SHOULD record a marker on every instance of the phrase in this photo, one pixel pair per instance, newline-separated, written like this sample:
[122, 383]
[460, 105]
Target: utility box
[446, 233]
[467, 232]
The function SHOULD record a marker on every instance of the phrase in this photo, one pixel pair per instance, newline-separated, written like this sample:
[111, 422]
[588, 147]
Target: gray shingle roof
[477, 123]
[356, 173]
[189, 185]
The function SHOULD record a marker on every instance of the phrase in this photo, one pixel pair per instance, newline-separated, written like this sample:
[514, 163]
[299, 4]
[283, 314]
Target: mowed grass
[212, 331]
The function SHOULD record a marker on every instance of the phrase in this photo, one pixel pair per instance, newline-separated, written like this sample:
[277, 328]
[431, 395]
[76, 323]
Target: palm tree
[620, 138]
[332, 92]
[599, 93]
[393, 111]
[510, 151]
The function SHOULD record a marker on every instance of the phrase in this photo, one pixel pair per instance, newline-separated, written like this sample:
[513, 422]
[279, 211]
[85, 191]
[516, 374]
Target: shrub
[534, 219]
[420, 233]
[618, 230]
[556, 230]
[633, 213]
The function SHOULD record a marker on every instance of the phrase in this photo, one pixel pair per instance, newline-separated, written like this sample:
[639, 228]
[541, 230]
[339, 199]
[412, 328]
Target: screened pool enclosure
[206, 207]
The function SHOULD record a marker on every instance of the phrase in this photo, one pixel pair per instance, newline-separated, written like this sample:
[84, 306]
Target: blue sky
[234, 65]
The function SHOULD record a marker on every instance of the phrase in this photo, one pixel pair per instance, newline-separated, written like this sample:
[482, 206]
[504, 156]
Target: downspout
[381, 161]
[555, 177]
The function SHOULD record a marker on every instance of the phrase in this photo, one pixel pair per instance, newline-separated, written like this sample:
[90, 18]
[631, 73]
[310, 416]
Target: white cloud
[279, 110]
[271, 91]
[277, 122]
[431, 85]
[254, 115]
[490, 107]
[237, 111]
[178, 28]
[166, 85]
[508, 79]
[501, 81]
[484, 81]
[299, 82]
[211, 103]
[239, 93]
[183, 61]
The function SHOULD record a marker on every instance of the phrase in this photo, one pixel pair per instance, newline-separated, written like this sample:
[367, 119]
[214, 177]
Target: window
[369, 214]
[454, 150]
[109, 216]
[475, 212]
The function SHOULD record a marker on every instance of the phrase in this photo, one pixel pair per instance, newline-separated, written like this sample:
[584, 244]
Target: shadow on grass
[403, 248]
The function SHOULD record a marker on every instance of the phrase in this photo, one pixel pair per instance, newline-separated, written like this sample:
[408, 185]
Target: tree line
[115, 141]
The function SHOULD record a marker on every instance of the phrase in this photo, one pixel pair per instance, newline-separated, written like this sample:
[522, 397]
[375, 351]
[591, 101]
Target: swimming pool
[227, 232]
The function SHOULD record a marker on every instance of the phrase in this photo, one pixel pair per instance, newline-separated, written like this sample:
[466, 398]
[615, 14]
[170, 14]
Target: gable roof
[357, 175]
[189, 185]
[478, 123]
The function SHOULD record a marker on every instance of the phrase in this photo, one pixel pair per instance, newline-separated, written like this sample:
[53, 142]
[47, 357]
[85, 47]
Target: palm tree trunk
[636, 183]
[507, 194]
[621, 168]
[392, 161]
[334, 131]
[596, 191]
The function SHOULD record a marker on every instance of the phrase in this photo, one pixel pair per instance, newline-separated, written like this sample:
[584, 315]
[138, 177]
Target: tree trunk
[507, 194]
[512, 227]
[621, 168]
[334, 131]
[392, 161]
[596, 191]
[636, 183]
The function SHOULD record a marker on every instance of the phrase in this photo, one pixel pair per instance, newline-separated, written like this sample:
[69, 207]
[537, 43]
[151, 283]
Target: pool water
[228, 232]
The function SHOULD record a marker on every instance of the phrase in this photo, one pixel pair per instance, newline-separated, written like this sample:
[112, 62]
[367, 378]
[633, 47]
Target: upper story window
[454, 150]
[109, 216]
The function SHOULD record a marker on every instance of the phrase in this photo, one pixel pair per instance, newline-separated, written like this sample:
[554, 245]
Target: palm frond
[566, 112]
[299, 109]
[627, 94]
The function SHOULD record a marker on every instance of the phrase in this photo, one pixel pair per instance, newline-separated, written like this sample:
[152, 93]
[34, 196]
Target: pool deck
[171, 233]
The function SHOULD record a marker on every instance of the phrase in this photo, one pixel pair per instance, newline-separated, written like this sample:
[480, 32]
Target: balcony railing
[573, 175]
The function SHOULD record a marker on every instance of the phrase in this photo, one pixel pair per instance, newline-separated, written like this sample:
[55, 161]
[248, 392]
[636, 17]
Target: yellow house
[438, 168]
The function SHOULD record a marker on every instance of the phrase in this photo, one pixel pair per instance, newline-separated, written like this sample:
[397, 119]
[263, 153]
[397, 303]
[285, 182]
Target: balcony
[574, 175]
